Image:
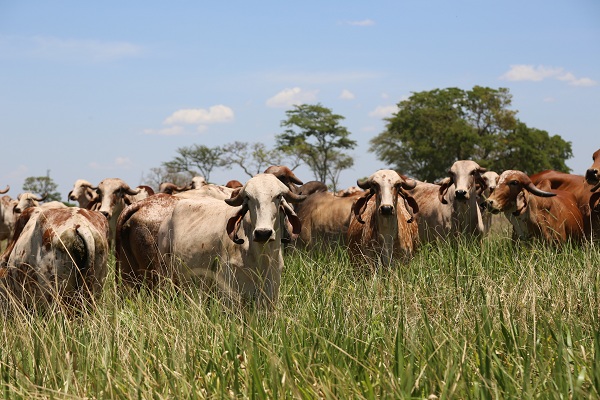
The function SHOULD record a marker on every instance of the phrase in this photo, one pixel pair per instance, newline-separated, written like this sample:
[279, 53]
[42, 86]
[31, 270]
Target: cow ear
[595, 201]
[233, 224]
[360, 205]
[444, 185]
[521, 203]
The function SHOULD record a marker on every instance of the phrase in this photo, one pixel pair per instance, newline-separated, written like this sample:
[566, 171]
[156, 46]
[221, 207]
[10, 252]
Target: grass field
[500, 320]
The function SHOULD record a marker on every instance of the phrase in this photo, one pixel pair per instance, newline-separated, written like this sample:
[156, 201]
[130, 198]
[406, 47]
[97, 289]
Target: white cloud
[53, 48]
[538, 73]
[364, 22]
[383, 111]
[193, 116]
[290, 97]
[347, 95]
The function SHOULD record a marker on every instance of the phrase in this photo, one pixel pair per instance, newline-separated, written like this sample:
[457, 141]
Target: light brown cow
[55, 255]
[491, 180]
[113, 195]
[7, 215]
[535, 213]
[592, 175]
[234, 244]
[82, 192]
[451, 210]
[382, 228]
[582, 190]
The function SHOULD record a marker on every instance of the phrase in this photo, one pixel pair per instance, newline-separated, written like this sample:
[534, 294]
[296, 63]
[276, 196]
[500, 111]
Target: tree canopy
[315, 135]
[41, 185]
[433, 129]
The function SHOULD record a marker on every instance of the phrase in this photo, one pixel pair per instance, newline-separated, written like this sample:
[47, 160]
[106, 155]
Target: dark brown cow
[582, 190]
[536, 213]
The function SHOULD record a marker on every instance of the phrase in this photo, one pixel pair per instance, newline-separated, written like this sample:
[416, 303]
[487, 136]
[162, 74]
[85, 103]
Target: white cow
[83, 193]
[55, 254]
[451, 209]
[234, 244]
[491, 181]
[26, 200]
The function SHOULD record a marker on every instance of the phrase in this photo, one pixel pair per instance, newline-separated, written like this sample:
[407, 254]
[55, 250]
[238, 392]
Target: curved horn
[237, 198]
[408, 184]
[5, 190]
[41, 198]
[364, 183]
[293, 197]
[130, 191]
[533, 189]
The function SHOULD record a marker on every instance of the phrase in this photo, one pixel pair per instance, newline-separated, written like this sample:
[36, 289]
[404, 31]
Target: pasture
[500, 320]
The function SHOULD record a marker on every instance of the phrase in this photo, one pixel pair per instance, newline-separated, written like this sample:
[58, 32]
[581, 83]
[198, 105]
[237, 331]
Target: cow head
[510, 194]
[111, 193]
[387, 185]
[26, 200]
[198, 182]
[465, 175]
[592, 175]
[263, 196]
[82, 192]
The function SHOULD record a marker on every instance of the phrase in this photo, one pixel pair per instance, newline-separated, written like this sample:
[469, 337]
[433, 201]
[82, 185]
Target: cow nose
[105, 213]
[591, 174]
[262, 235]
[386, 209]
[461, 194]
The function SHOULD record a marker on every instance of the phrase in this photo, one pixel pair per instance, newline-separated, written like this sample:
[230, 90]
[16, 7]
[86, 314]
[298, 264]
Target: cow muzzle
[461, 195]
[386, 209]
[263, 235]
[491, 206]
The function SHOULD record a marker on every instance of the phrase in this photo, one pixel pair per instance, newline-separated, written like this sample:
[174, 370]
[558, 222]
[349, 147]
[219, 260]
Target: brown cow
[382, 227]
[535, 213]
[582, 191]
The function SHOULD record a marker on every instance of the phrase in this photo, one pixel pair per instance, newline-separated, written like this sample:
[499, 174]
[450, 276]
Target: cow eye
[513, 183]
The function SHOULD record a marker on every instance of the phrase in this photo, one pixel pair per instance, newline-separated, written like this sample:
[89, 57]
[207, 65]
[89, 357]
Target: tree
[156, 176]
[316, 137]
[196, 159]
[253, 158]
[41, 185]
[433, 129]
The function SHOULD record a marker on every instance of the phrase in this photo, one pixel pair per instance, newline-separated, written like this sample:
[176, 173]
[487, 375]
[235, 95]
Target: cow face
[510, 194]
[464, 175]
[110, 195]
[262, 197]
[26, 200]
[592, 175]
[82, 193]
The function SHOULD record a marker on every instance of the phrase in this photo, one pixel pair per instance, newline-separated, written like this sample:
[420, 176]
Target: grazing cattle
[171, 188]
[382, 227]
[113, 195]
[82, 192]
[451, 209]
[234, 245]
[592, 175]
[582, 190]
[55, 255]
[535, 212]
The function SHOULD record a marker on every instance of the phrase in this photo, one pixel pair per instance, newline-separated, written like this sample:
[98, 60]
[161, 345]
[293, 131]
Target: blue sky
[94, 90]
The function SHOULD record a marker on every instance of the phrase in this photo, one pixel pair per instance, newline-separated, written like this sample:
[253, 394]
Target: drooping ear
[292, 218]
[521, 203]
[480, 181]
[410, 203]
[360, 205]
[444, 185]
[233, 224]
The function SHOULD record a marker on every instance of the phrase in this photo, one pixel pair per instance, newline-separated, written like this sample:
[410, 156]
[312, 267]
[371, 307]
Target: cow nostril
[591, 174]
[386, 210]
[461, 194]
[262, 235]
[105, 214]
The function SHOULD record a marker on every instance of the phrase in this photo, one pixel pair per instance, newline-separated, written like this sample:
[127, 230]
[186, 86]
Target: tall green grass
[497, 320]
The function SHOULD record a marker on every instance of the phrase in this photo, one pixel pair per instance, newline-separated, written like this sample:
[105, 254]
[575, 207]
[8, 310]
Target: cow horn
[409, 184]
[294, 198]
[131, 191]
[237, 198]
[363, 183]
[41, 198]
[5, 190]
[533, 189]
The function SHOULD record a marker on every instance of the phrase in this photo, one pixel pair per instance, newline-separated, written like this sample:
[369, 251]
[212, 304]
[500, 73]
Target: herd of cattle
[232, 238]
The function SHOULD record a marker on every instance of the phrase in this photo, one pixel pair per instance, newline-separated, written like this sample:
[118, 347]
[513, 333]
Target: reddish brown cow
[535, 213]
[582, 190]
